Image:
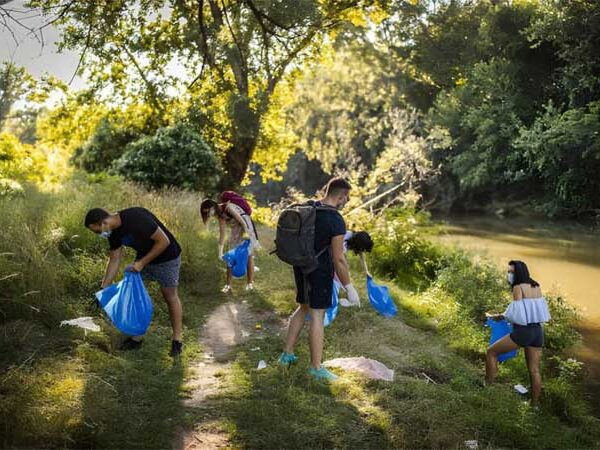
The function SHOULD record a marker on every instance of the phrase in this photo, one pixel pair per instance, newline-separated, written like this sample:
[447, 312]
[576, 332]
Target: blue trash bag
[500, 328]
[127, 304]
[380, 298]
[237, 259]
[333, 310]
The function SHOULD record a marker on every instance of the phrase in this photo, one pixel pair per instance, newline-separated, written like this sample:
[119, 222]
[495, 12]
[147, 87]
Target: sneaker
[322, 374]
[176, 348]
[130, 344]
[226, 289]
[287, 359]
[250, 287]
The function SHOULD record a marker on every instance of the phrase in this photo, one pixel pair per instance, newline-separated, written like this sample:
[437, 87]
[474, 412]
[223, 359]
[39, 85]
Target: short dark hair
[206, 205]
[336, 185]
[522, 274]
[95, 216]
[360, 242]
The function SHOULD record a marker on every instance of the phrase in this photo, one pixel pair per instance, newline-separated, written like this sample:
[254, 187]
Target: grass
[62, 388]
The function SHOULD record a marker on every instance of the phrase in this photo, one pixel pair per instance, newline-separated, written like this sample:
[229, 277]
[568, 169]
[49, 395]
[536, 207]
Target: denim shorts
[166, 273]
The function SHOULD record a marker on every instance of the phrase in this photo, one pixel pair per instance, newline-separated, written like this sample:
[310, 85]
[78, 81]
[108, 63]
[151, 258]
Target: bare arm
[242, 222]
[114, 260]
[161, 242]
[339, 259]
[222, 231]
[221, 235]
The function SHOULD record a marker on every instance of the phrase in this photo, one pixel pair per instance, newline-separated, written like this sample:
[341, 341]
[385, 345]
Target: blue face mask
[510, 277]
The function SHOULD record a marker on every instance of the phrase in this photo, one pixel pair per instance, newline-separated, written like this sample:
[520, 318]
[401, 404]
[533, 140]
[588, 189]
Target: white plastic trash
[472, 445]
[261, 365]
[368, 367]
[87, 323]
[521, 389]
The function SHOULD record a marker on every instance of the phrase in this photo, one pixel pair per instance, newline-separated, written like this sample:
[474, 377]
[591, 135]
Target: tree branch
[242, 78]
[149, 84]
[260, 14]
[83, 53]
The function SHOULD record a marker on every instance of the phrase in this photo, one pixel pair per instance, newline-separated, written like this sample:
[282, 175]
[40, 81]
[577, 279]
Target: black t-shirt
[137, 225]
[328, 224]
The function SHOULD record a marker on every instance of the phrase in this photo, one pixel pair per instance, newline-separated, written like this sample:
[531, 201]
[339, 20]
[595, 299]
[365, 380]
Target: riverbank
[564, 256]
[76, 390]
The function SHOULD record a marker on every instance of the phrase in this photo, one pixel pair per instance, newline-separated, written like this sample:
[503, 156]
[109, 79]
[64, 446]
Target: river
[562, 257]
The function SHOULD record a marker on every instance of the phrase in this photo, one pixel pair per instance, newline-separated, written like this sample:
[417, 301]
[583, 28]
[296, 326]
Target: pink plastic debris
[368, 367]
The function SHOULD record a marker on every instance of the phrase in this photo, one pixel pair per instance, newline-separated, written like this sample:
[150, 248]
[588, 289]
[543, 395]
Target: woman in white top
[527, 312]
[232, 210]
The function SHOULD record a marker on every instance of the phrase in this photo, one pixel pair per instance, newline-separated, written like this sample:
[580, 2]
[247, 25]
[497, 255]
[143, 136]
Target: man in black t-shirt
[157, 259]
[314, 290]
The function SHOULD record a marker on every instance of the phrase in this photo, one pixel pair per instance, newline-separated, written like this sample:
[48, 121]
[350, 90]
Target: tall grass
[58, 386]
[62, 388]
[455, 290]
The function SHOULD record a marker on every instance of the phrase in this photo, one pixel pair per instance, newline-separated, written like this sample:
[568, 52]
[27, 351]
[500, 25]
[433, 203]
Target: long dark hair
[522, 274]
[205, 207]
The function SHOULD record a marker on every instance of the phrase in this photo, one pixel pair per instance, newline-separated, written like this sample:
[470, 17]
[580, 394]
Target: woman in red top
[233, 210]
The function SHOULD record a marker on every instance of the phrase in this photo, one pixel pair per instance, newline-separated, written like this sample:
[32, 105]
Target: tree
[236, 53]
[14, 84]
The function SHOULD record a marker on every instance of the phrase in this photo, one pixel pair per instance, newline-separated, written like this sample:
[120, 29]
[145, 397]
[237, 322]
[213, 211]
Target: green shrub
[18, 161]
[174, 156]
[106, 145]
[403, 251]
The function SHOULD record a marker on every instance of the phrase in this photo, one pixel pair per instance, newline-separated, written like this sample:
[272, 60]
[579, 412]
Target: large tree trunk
[246, 126]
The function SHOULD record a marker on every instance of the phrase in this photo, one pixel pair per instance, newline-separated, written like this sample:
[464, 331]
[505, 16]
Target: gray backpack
[295, 237]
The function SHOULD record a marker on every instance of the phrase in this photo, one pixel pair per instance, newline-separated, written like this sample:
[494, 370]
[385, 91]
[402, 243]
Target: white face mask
[105, 234]
[510, 277]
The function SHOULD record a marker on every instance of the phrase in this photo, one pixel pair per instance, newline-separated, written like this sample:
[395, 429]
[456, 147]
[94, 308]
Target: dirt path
[229, 325]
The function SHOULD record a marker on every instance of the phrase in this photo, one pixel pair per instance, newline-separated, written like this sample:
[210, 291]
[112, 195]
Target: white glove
[353, 297]
[255, 245]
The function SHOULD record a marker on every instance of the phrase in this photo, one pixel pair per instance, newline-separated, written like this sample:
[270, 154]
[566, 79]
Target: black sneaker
[130, 344]
[176, 348]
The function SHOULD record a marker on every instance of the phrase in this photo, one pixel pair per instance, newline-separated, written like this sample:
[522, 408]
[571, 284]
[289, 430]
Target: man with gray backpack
[310, 237]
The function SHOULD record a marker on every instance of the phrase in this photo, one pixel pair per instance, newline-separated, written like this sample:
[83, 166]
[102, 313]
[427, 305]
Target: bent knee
[490, 353]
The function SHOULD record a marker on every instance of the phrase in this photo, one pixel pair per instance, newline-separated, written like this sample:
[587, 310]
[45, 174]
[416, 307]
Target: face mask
[510, 277]
[105, 234]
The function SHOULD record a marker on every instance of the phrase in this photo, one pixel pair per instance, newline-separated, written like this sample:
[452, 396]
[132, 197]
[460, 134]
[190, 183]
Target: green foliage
[59, 386]
[402, 250]
[15, 82]
[564, 148]
[106, 145]
[19, 161]
[483, 127]
[174, 156]
[234, 54]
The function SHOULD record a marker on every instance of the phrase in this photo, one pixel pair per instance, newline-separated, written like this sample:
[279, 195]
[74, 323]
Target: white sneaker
[250, 287]
[256, 269]
[226, 289]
